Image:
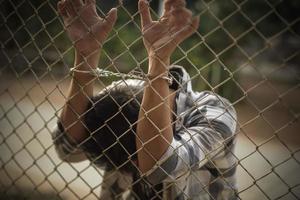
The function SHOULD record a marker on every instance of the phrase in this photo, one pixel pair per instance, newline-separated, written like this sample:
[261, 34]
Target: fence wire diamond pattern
[247, 51]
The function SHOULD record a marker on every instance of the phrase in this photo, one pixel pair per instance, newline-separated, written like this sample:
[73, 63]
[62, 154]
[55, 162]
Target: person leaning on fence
[154, 138]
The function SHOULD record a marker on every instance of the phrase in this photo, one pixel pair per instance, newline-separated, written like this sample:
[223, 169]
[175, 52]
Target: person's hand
[176, 24]
[85, 28]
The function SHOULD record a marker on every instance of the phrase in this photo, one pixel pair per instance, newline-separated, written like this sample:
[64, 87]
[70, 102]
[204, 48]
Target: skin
[154, 129]
[88, 31]
[78, 17]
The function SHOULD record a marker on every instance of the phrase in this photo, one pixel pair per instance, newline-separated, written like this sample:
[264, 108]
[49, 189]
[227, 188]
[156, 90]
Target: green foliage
[231, 32]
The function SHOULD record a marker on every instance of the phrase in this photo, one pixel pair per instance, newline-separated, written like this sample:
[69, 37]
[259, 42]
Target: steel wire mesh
[247, 51]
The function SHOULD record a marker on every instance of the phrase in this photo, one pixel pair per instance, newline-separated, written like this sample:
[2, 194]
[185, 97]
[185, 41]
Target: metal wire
[131, 75]
[261, 81]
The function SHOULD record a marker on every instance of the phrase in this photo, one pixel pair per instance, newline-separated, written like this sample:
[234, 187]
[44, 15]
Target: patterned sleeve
[65, 146]
[208, 129]
[114, 185]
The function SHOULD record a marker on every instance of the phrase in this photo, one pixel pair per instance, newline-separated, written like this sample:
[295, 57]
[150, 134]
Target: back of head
[111, 121]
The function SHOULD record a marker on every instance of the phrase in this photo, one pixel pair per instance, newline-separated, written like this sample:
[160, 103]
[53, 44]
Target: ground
[267, 146]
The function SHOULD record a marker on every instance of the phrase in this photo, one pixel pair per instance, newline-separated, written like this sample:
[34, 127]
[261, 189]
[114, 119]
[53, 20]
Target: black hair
[111, 122]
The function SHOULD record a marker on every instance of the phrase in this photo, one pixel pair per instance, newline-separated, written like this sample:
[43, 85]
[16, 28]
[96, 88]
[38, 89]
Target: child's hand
[85, 28]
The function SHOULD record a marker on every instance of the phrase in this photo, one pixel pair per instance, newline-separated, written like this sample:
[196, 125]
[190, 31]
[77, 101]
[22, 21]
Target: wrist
[85, 63]
[158, 66]
[157, 57]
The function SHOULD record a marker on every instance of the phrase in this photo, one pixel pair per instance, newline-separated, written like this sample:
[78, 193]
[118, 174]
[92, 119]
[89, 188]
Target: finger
[70, 8]
[111, 18]
[77, 4]
[181, 13]
[188, 30]
[61, 7]
[167, 6]
[145, 13]
[192, 27]
[174, 3]
[91, 3]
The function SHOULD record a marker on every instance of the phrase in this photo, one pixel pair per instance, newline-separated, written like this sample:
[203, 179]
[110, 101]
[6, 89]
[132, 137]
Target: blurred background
[245, 50]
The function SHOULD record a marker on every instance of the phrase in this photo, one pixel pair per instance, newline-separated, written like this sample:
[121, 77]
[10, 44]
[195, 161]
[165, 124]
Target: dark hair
[111, 122]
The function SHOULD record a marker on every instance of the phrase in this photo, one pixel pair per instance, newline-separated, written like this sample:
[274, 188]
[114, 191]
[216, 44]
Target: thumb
[111, 19]
[112, 16]
[195, 24]
[192, 27]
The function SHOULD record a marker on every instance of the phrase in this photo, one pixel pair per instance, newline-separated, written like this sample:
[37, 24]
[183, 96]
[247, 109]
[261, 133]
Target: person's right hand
[85, 28]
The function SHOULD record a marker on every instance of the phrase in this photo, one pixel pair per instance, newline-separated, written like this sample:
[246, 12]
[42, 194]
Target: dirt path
[28, 113]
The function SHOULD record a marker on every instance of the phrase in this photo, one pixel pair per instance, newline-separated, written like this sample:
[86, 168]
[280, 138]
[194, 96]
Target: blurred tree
[231, 32]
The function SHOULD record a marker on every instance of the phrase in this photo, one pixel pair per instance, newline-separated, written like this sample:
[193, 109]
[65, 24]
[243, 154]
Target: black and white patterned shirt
[200, 162]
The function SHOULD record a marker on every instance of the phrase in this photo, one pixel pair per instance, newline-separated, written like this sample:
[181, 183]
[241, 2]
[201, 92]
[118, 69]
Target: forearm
[161, 39]
[154, 129]
[80, 92]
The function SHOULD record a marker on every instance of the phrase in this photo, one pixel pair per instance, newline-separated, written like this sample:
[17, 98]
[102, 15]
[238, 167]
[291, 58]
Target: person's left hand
[162, 37]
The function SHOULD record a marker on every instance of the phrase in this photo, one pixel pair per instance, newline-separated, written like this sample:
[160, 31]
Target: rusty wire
[31, 97]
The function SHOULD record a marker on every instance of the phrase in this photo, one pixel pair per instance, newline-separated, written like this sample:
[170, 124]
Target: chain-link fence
[244, 50]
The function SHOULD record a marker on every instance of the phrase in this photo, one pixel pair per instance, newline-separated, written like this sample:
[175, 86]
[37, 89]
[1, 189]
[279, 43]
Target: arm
[154, 129]
[87, 32]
